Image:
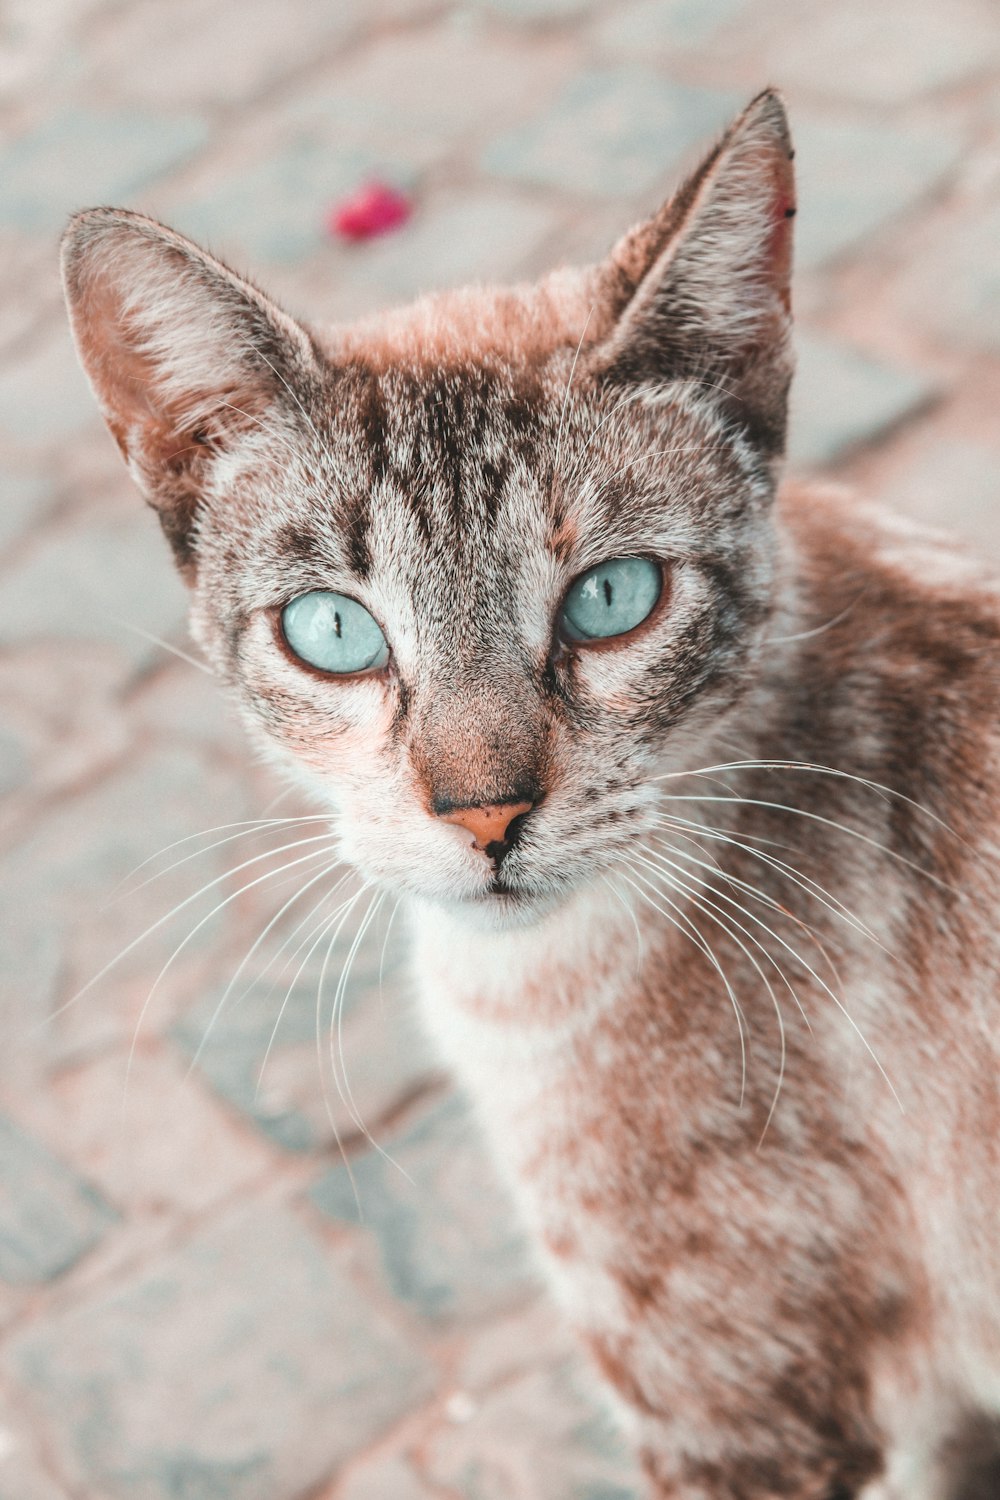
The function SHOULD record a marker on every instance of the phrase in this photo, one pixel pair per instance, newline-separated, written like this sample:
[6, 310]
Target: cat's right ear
[701, 291]
[183, 356]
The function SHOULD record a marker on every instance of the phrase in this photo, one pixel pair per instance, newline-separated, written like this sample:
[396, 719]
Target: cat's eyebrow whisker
[689, 929]
[157, 640]
[265, 427]
[708, 908]
[267, 875]
[180, 905]
[647, 458]
[620, 404]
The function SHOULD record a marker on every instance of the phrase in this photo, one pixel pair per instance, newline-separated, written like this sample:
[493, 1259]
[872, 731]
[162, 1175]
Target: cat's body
[731, 1028]
[744, 1289]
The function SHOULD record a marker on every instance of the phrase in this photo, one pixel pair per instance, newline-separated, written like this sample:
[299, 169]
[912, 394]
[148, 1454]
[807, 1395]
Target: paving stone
[873, 54]
[83, 156]
[544, 1436]
[14, 765]
[951, 286]
[52, 729]
[479, 234]
[855, 177]
[61, 928]
[23, 1475]
[49, 1217]
[24, 498]
[95, 579]
[446, 1234]
[382, 1478]
[396, 111]
[246, 1366]
[653, 28]
[536, 10]
[151, 1137]
[613, 130]
[38, 40]
[260, 1050]
[236, 55]
[44, 398]
[953, 483]
[842, 399]
[274, 210]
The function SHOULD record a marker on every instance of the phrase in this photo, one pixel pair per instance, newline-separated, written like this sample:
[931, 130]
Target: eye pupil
[611, 599]
[333, 632]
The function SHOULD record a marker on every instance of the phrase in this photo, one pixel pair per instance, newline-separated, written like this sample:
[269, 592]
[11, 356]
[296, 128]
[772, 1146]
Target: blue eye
[611, 599]
[333, 633]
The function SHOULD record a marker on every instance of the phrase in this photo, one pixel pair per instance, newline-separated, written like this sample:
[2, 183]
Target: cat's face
[479, 570]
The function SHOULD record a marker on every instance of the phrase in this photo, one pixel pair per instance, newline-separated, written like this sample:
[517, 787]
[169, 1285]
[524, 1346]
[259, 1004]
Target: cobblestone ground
[200, 1297]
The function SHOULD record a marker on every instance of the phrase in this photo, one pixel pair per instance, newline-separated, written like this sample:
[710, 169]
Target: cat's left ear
[702, 290]
[184, 356]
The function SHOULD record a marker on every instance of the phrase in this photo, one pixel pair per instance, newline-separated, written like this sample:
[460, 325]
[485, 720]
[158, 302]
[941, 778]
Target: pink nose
[488, 825]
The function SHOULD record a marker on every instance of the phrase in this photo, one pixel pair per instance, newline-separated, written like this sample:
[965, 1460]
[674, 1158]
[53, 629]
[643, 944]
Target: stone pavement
[201, 1297]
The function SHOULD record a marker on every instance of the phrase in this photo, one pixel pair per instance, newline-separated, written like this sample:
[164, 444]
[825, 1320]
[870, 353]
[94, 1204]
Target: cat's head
[480, 567]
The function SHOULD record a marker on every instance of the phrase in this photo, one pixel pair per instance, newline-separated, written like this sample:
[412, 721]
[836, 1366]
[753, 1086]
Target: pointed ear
[702, 290]
[184, 357]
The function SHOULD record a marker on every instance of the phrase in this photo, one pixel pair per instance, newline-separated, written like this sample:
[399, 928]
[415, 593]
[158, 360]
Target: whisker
[160, 921]
[887, 792]
[828, 991]
[753, 891]
[805, 882]
[827, 822]
[296, 895]
[253, 824]
[156, 640]
[683, 888]
[268, 874]
[314, 937]
[260, 826]
[385, 944]
[640, 947]
[688, 929]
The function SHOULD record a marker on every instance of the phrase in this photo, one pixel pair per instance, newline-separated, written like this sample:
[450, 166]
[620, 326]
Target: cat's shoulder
[904, 569]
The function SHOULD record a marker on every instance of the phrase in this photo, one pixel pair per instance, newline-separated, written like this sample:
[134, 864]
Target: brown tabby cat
[691, 793]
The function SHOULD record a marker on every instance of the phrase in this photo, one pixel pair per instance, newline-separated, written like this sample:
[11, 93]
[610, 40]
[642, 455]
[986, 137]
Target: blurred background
[199, 1300]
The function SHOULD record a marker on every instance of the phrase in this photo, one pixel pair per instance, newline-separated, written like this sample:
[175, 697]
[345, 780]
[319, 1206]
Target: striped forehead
[441, 457]
[435, 497]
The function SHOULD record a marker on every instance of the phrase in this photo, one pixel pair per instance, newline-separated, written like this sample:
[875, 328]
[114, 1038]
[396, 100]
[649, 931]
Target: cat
[689, 788]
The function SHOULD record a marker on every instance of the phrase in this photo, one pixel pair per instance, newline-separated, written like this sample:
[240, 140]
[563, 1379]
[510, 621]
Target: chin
[505, 909]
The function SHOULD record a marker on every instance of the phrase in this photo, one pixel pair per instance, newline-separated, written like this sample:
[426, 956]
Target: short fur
[728, 1009]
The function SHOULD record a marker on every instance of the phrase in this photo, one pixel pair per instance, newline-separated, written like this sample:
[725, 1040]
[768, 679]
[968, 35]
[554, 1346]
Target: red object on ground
[376, 208]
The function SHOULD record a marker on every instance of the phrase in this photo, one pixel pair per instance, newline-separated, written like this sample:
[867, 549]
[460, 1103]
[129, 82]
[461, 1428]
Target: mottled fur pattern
[728, 1009]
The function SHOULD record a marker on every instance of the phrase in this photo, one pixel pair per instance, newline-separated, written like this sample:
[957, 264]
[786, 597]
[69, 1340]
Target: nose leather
[488, 825]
